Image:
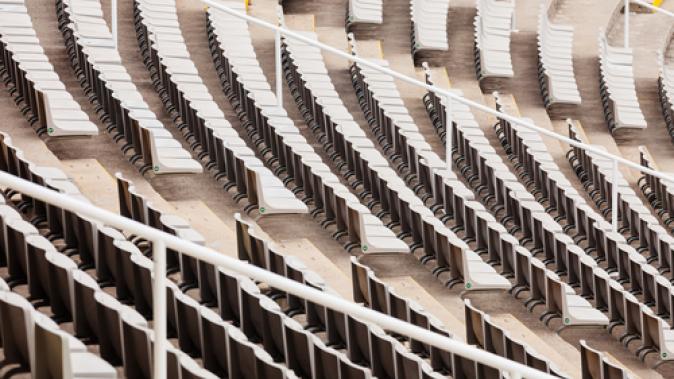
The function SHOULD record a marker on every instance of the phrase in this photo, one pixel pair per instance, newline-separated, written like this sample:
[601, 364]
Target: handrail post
[279, 69]
[614, 197]
[113, 15]
[513, 19]
[448, 133]
[626, 32]
[159, 308]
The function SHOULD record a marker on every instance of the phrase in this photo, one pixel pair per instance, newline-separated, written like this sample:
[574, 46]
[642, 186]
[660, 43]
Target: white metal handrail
[161, 240]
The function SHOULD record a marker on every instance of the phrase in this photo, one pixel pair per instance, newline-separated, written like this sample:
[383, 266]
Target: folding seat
[536, 361]
[248, 249]
[296, 270]
[408, 365]
[123, 277]
[383, 349]
[188, 325]
[16, 231]
[594, 284]
[657, 336]
[358, 345]
[60, 285]
[85, 318]
[523, 270]
[492, 40]
[590, 361]
[213, 333]
[6, 213]
[243, 356]
[633, 328]
[298, 348]
[465, 368]
[37, 270]
[60, 355]
[610, 370]
[228, 296]
[621, 107]
[85, 233]
[170, 224]
[367, 232]
[360, 281]
[537, 283]
[105, 262]
[555, 66]
[189, 369]
[579, 265]
[475, 325]
[562, 301]
[18, 317]
[137, 347]
[189, 266]
[663, 299]
[364, 11]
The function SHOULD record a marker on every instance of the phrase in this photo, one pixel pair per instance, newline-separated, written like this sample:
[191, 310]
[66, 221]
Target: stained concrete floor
[395, 36]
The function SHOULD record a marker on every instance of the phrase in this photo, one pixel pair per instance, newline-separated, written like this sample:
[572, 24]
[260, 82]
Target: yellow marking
[657, 3]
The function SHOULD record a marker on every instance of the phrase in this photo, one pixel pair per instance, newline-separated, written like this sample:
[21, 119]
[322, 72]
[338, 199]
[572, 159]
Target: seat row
[379, 296]
[624, 308]
[400, 363]
[499, 189]
[595, 365]
[35, 342]
[666, 93]
[365, 343]
[185, 96]
[555, 60]
[99, 68]
[32, 79]
[658, 192]
[642, 228]
[375, 294]
[429, 25]
[364, 12]
[54, 279]
[280, 141]
[567, 257]
[481, 331]
[493, 24]
[76, 296]
[617, 87]
[335, 126]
